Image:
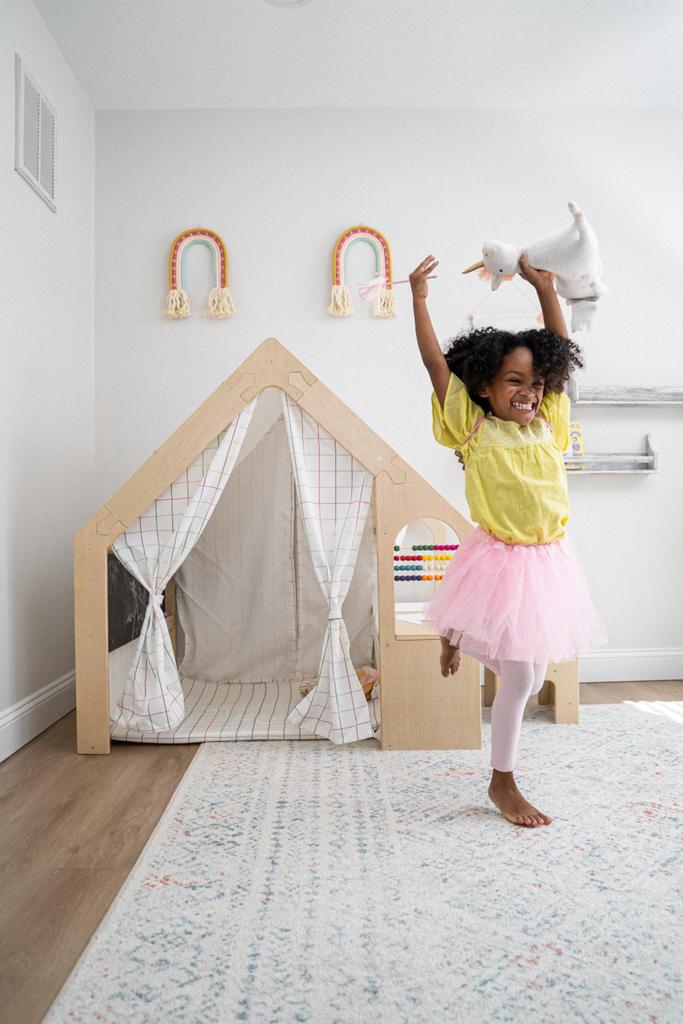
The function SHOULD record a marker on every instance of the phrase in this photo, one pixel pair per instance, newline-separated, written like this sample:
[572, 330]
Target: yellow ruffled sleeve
[452, 424]
[555, 408]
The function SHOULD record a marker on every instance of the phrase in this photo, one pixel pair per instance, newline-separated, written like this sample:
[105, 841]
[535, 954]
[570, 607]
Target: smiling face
[516, 391]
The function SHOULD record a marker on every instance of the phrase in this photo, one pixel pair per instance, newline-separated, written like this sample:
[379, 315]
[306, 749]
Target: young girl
[515, 596]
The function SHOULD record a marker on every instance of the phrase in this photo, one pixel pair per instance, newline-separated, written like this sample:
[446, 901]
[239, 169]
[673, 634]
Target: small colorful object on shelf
[575, 439]
[178, 303]
[378, 293]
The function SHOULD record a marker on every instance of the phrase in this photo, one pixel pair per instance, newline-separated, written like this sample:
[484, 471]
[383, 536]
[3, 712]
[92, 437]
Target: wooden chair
[560, 688]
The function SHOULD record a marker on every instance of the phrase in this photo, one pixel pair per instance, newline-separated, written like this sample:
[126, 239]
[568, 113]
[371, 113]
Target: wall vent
[35, 135]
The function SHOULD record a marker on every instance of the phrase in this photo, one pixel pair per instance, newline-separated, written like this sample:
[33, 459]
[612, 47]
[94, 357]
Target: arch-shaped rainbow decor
[378, 293]
[178, 303]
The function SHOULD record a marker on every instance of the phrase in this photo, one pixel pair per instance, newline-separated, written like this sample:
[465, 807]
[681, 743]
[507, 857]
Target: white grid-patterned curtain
[335, 493]
[152, 549]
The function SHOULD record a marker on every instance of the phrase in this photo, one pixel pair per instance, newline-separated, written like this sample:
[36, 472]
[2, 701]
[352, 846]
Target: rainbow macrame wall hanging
[377, 294]
[178, 303]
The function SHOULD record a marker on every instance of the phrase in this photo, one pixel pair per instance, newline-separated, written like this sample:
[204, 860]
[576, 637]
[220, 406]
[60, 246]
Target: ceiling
[175, 54]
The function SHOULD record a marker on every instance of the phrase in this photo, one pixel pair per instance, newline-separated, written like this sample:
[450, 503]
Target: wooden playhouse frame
[419, 708]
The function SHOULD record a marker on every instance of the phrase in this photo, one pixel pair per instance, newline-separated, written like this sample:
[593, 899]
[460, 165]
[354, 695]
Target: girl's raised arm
[430, 350]
[542, 281]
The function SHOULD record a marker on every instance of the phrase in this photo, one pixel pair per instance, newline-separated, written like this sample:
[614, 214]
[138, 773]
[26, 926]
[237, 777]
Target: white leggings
[518, 681]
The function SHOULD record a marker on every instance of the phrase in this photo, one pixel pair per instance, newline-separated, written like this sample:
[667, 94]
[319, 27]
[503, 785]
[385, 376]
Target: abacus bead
[396, 547]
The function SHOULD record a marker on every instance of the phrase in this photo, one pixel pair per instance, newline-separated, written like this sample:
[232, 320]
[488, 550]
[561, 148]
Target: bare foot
[449, 659]
[510, 802]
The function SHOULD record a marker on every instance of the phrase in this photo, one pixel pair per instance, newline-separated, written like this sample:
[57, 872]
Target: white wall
[47, 413]
[280, 185]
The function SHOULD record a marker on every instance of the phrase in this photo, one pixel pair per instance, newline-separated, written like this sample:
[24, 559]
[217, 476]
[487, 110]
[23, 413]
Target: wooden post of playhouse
[92, 655]
[561, 688]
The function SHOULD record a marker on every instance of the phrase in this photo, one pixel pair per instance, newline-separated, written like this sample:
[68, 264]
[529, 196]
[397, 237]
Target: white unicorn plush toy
[571, 254]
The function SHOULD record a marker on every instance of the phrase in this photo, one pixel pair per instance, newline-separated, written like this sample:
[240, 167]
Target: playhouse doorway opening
[250, 614]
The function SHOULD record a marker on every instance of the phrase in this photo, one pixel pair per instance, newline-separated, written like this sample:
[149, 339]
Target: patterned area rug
[302, 882]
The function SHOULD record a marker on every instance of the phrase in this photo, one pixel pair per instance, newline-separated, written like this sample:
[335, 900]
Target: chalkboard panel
[127, 601]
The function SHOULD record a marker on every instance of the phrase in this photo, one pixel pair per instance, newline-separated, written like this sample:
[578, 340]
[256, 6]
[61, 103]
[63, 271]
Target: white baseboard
[632, 666]
[29, 717]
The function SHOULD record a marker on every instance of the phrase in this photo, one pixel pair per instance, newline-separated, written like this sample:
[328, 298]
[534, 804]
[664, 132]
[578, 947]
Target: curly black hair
[475, 357]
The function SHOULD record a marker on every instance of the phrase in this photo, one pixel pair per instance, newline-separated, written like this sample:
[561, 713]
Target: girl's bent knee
[517, 677]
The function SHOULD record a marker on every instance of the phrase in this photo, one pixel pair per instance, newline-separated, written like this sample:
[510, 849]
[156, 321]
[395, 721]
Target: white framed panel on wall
[35, 135]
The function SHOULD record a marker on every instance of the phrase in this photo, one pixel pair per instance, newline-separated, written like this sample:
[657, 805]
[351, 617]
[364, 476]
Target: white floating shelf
[584, 395]
[598, 462]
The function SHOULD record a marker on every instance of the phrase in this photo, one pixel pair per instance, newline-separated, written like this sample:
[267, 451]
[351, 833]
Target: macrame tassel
[340, 301]
[177, 304]
[220, 304]
[387, 304]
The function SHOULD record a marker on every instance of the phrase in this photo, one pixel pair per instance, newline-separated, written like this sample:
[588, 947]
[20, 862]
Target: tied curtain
[152, 549]
[335, 494]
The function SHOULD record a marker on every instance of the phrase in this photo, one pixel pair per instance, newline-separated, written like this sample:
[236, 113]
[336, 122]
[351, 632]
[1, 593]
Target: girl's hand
[418, 278]
[541, 280]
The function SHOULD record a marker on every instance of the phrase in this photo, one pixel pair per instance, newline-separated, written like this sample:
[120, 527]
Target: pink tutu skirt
[516, 602]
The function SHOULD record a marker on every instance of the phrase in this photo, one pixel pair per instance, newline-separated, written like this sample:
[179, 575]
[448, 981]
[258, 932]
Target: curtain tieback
[335, 609]
[156, 599]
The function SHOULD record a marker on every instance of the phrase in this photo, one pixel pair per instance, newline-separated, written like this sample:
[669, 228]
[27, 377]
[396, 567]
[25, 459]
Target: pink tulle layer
[516, 602]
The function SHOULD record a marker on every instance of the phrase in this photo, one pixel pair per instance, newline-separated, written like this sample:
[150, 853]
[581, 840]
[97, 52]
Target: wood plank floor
[73, 827]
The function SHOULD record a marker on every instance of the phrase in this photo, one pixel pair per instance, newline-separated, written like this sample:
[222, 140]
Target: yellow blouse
[515, 478]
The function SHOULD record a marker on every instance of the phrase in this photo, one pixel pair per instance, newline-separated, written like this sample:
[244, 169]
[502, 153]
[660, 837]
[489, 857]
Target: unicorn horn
[475, 266]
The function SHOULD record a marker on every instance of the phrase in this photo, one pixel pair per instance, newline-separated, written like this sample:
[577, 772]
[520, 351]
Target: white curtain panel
[152, 549]
[335, 493]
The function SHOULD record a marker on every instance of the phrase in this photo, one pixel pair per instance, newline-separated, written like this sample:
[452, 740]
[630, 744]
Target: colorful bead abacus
[423, 561]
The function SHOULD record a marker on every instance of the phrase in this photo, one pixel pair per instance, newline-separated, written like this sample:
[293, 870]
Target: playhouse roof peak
[271, 364]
